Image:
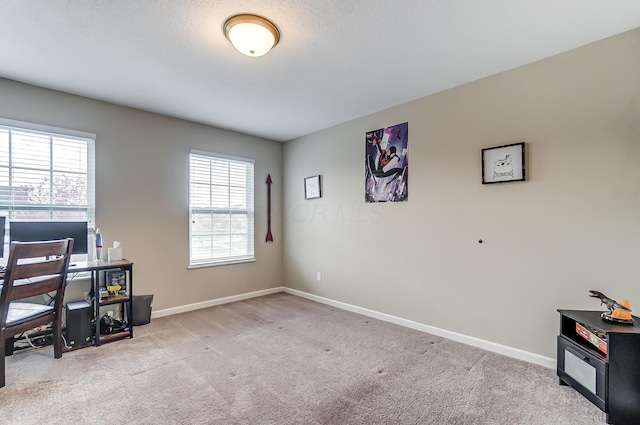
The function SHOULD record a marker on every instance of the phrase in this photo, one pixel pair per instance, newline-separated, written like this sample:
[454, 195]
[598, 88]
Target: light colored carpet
[281, 359]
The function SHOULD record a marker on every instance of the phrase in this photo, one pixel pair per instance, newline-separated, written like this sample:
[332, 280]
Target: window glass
[221, 227]
[45, 175]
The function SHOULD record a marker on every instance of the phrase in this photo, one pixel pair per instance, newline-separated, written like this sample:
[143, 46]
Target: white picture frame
[312, 187]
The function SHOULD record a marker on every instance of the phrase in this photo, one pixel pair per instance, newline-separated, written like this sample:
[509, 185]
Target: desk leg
[96, 305]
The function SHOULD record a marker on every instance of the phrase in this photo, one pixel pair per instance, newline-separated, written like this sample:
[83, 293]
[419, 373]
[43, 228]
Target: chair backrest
[35, 268]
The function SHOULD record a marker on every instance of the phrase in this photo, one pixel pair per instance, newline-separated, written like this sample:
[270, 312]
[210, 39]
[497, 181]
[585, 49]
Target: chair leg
[2, 347]
[57, 339]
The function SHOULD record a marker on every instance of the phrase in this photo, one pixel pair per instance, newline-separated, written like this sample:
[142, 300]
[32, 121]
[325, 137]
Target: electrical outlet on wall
[318, 276]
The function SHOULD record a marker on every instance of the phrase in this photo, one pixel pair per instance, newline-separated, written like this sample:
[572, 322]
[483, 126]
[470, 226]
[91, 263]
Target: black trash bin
[142, 309]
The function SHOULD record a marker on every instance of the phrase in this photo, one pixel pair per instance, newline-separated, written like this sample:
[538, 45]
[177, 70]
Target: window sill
[221, 263]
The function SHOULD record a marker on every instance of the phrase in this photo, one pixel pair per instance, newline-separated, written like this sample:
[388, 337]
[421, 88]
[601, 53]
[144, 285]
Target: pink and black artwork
[386, 164]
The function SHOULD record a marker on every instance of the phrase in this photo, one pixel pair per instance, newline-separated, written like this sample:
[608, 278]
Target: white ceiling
[337, 59]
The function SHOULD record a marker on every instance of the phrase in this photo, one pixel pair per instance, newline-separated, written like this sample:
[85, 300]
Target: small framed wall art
[502, 164]
[312, 187]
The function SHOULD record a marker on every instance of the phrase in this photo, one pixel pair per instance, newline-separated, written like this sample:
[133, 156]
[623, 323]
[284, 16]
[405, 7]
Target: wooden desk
[94, 268]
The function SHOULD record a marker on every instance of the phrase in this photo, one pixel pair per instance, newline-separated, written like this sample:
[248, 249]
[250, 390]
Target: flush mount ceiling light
[251, 35]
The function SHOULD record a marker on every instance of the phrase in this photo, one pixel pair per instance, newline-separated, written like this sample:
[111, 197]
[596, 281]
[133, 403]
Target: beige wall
[142, 191]
[573, 226]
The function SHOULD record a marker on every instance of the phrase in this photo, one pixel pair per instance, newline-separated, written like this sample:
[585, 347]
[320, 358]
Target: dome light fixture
[251, 35]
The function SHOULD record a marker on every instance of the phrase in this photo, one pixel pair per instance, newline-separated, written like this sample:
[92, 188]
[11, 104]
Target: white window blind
[46, 174]
[221, 209]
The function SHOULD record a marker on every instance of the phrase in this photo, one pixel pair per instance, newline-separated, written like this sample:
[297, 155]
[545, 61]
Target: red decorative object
[269, 235]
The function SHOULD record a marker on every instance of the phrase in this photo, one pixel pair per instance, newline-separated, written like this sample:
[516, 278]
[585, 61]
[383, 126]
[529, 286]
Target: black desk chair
[33, 268]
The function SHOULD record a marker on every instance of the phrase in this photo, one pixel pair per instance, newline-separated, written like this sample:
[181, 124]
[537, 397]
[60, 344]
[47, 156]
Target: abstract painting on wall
[386, 164]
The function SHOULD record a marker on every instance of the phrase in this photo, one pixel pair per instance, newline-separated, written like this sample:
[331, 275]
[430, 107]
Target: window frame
[52, 132]
[249, 211]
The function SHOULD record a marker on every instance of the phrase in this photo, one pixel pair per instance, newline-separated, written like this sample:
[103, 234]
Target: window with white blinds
[46, 173]
[221, 209]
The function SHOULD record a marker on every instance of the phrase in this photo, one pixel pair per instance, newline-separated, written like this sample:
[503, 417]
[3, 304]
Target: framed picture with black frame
[312, 187]
[502, 164]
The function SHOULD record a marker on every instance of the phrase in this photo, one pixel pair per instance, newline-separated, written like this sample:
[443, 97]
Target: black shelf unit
[611, 379]
[97, 270]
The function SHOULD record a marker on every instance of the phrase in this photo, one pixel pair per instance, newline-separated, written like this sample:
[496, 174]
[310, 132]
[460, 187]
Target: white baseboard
[465, 339]
[469, 340]
[218, 301]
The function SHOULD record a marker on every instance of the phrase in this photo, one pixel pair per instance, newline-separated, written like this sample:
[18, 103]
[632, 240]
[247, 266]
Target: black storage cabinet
[609, 380]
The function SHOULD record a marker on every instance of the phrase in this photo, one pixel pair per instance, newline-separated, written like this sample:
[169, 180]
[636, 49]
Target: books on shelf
[116, 282]
[597, 338]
